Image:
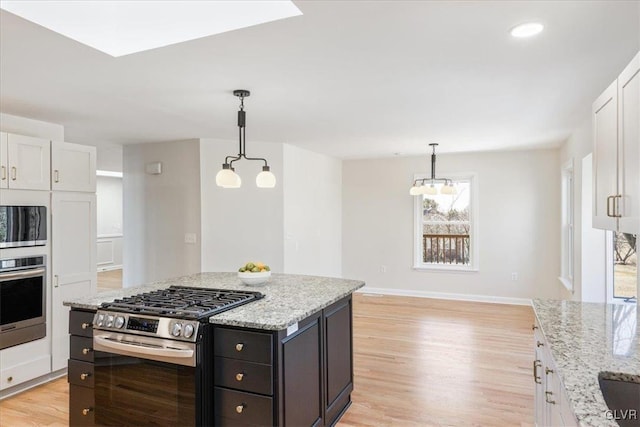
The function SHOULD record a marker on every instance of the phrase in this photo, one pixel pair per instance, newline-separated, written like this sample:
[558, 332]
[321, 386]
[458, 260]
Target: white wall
[109, 209]
[519, 223]
[312, 213]
[109, 158]
[159, 210]
[30, 127]
[579, 145]
[244, 224]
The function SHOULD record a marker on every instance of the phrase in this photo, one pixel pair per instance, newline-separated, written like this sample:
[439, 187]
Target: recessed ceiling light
[124, 27]
[528, 29]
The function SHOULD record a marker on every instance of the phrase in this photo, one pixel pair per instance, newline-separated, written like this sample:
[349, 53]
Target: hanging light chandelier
[427, 185]
[227, 177]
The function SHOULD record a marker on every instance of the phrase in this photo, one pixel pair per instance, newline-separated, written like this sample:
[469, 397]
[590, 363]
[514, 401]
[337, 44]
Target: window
[623, 262]
[566, 239]
[445, 227]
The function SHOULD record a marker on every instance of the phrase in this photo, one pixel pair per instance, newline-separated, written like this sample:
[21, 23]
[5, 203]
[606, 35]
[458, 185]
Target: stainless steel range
[153, 355]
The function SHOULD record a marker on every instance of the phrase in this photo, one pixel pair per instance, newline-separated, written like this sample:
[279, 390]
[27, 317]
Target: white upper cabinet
[629, 146]
[73, 167]
[616, 153]
[27, 161]
[4, 165]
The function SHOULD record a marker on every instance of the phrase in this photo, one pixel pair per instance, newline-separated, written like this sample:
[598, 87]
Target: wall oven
[23, 284]
[23, 226]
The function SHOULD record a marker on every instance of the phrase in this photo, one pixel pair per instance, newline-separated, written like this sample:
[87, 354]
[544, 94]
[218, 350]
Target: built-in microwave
[23, 226]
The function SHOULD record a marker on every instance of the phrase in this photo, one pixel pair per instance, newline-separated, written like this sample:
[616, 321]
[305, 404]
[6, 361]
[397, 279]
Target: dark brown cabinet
[80, 372]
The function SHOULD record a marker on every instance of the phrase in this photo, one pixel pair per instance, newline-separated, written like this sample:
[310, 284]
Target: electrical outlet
[383, 269]
[190, 238]
[514, 276]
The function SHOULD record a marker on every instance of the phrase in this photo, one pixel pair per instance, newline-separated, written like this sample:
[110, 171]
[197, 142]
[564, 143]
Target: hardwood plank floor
[109, 280]
[417, 362]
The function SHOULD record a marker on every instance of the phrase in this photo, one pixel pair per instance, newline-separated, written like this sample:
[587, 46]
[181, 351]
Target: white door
[29, 162]
[629, 146]
[73, 241]
[605, 168]
[73, 167]
[4, 165]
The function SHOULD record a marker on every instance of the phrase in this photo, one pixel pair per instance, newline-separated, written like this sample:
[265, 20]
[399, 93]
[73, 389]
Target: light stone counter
[288, 298]
[586, 339]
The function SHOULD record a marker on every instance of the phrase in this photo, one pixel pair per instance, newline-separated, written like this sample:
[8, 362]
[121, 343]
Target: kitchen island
[585, 341]
[286, 358]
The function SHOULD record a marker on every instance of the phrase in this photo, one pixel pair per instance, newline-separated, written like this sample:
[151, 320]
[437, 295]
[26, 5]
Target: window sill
[568, 284]
[444, 268]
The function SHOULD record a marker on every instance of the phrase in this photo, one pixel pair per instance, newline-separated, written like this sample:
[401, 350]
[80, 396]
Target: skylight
[124, 27]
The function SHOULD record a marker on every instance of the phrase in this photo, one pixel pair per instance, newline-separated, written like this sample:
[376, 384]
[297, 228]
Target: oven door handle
[22, 274]
[150, 351]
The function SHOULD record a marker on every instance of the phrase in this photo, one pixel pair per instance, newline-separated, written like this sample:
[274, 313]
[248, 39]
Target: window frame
[567, 225]
[474, 261]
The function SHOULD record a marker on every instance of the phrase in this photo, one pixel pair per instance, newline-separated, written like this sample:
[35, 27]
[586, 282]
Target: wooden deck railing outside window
[445, 248]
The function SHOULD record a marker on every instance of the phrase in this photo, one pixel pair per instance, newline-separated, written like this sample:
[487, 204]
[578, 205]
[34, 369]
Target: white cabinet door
[73, 260]
[629, 147]
[605, 168]
[73, 167]
[4, 165]
[29, 162]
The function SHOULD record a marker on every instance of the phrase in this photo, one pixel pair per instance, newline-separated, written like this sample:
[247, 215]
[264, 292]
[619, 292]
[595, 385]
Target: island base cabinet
[338, 359]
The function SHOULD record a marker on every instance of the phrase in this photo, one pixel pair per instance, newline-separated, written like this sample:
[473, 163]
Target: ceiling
[351, 79]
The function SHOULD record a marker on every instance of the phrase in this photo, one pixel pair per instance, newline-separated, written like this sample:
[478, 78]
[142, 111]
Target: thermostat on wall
[154, 168]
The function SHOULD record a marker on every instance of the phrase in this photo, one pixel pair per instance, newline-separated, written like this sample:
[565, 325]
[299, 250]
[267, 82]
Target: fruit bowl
[254, 279]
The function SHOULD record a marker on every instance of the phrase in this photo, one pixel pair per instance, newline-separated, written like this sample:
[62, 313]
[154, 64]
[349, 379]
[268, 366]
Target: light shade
[227, 178]
[528, 29]
[124, 27]
[266, 179]
[448, 189]
[415, 190]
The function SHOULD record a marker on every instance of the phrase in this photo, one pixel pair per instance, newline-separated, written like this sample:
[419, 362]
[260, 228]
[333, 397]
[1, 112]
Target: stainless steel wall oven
[23, 285]
[23, 226]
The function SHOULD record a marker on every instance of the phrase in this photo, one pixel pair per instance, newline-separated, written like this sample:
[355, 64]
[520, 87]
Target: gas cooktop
[182, 302]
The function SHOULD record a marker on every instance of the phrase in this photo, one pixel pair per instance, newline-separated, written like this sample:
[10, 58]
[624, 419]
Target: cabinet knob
[240, 408]
[239, 376]
[539, 344]
[85, 325]
[86, 411]
[9, 379]
[86, 351]
[84, 376]
[239, 347]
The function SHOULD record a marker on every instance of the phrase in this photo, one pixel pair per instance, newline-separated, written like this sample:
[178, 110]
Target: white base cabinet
[73, 262]
[552, 407]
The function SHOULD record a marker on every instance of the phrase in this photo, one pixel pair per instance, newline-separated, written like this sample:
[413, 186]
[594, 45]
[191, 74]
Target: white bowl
[254, 279]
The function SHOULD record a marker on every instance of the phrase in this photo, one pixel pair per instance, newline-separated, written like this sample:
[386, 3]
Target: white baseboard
[443, 295]
[109, 267]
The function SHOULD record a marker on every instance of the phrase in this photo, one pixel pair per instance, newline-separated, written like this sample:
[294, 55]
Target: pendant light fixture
[227, 177]
[427, 185]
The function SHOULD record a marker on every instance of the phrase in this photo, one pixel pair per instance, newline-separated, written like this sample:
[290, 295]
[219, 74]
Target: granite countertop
[288, 299]
[587, 339]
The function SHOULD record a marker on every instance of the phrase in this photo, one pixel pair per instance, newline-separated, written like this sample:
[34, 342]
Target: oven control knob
[188, 330]
[109, 321]
[100, 320]
[119, 322]
[176, 329]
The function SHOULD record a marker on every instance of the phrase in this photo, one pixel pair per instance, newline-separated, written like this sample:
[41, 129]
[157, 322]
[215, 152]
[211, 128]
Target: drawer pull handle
[536, 365]
[548, 371]
[86, 351]
[85, 325]
[239, 376]
[240, 408]
[539, 344]
[239, 347]
[84, 376]
[534, 327]
[546, 397]
[86, 411]
[4, 173]
[14, 173]
[56, 176]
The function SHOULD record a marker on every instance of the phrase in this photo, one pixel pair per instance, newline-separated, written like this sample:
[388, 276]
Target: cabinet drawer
[81, 348]
[239, 408]
[243, 345]
[81, 406]
[80, 373]
[243, 375]
[81, 323]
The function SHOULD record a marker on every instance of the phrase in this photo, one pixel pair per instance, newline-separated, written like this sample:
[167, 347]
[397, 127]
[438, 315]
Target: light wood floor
[109, 280]
[418, 362]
